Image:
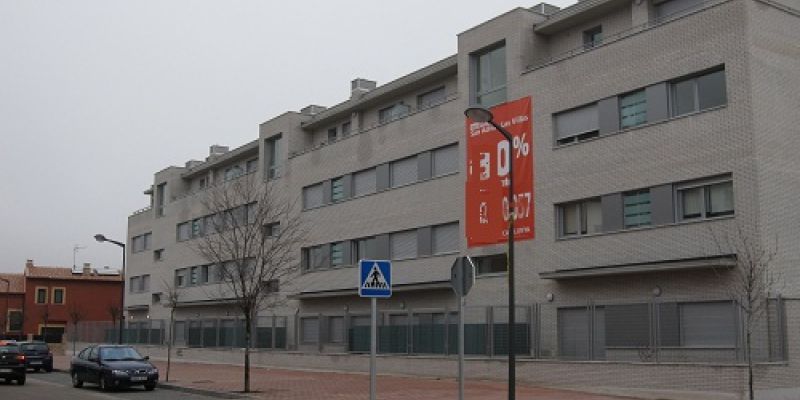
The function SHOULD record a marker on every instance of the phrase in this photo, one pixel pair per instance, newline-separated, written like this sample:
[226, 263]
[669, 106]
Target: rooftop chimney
[87, 268]
[28, 263]
[312, 109]
[360, 86]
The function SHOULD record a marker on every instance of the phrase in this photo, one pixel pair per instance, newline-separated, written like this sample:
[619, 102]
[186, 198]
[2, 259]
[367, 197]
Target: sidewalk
[283, 384]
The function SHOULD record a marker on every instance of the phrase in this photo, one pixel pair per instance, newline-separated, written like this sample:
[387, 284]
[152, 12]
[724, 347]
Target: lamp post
[101, 238]
[481, 114]
[6, 317]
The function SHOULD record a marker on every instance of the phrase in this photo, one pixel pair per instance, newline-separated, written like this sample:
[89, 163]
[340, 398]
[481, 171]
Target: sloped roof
[16, 283]
[66, 273]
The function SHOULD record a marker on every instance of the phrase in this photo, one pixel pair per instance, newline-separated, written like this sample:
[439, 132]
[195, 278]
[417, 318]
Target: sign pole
[460, 347]
[373, 348]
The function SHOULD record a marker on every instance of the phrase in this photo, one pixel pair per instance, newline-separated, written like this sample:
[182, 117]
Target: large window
[581, 217]
[184, 231]
[404, 171]
[710, 324]
[337, 189]
[332, 134]
[445, 160]
[141, 242]
[632, 109]
[577, 124]
[313, 196]
[698, 93]
[490, 76]
[636, 207]
[180, 277]
[445, 238]
[274, 160]
[364, 182]
[59, 295]
[431, 98]
[233, 172]
[309, 330]
[41, 295]
[391, 113]
[403, 244]
[359, 249]
[335, 329]
[315, 258]
[705, 199]
[492, 264]
[337, 254]
[593, 37]
[14, 320]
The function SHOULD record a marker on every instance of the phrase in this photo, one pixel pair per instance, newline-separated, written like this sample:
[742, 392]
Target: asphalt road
[57, 386]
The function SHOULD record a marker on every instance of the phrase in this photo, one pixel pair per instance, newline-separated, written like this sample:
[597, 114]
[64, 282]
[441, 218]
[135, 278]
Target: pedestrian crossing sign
[375, 278]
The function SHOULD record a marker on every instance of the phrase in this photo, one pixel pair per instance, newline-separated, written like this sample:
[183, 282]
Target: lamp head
[479, 114]
[100, 237]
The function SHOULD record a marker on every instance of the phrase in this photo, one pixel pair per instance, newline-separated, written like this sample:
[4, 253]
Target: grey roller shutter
[313, 196]
[364, 182]
[578, 121]
[445, 238]
[404, 171]
[445, 160]
[573, 333]
[627, 325]
[404, 244]
[708, 324]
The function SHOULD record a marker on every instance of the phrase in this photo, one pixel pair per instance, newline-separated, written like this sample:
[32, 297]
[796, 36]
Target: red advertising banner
[486, 192]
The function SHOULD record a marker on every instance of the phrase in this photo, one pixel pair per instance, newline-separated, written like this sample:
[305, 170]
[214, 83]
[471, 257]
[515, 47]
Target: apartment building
[660, 130]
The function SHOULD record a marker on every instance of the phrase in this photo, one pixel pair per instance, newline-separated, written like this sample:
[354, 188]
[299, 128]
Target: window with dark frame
[580, 217]
[698, 92]
[41, 296]
[632, 109]
[636, 208]
[337, 189]
[491, 264]
[346, 129]
[431, 98]
[705, 199]
[592, 37]
[489, 78]
[332, 134]
[274, 161]
[577, 124]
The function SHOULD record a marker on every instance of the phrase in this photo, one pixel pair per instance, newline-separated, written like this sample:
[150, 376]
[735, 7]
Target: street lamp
[481, 114]
[102, 238]
[6, 317]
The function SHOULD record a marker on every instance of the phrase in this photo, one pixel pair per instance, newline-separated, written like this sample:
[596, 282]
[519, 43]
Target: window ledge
[640, 126]
[648, 227]
[347, 266]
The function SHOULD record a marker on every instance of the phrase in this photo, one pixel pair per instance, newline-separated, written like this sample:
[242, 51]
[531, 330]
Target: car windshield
[119, 354]
[9, 349]
[35, 347]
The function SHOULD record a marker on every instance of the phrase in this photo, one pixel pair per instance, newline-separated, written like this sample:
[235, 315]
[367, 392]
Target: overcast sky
[96, 96]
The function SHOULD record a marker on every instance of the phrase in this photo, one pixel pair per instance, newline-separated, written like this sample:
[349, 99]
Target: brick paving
[284, 384]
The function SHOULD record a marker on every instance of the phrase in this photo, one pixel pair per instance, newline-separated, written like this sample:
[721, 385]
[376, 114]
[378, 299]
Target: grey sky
[95, 96]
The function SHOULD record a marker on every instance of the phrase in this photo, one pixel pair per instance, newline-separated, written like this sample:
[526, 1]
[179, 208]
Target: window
[312, 196]
[391, 113]
[445, 238]
[705, 199]
[627, 325]
[359, 249]
[203, 182]
[332, 134]
[492, 264]
[698, 93]
[581, 217]
[145, 285]
[233, 172]
[403, 244]
[251, 165]
[180, 277]
[592, 37]
[672, 7]
[194, 274]
[204, 274]
[364, 182]
[58, 295]
[431, 98]
[14, 320]
[490, 76]
[184, 231]
[346, 129]
[41, 295]
[445, 160]
[337, 189]
[141, 242]
[160, 198]
[274, 160]
[636, 207]
[337, 254]
[335, 329]
[211, 223]
[271, 286]
[158, 255]
[272, 229]
[577, 124]
[633, 109]
[404, 171]
[710, 324]
[155, 298]
[134, 284]
[309, 328]
[315, 258]
[197, 227]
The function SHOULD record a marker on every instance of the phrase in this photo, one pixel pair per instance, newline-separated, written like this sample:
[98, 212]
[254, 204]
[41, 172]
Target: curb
[184, 389]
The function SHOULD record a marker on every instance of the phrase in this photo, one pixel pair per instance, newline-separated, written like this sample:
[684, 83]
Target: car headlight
[119, 372]
[154, 371]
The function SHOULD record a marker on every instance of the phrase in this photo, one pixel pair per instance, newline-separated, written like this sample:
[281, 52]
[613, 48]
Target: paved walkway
[284, 384]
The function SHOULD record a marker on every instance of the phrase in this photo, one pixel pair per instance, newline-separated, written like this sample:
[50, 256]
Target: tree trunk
[247, 336]
[171, 339]
[749, 365]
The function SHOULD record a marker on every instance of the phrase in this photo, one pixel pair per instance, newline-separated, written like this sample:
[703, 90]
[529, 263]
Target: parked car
[112, 366]
[12, 363]
[37, 355]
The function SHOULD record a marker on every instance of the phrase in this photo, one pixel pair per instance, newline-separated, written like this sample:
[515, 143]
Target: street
[57, 386]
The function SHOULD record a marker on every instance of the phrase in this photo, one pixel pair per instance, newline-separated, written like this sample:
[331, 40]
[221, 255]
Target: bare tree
[114, 312]
[751, 281]
[75, 314]
[171, 301]
[252, 236]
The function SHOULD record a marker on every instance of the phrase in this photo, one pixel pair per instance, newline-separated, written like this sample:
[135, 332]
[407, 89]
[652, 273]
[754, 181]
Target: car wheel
[21, 381]
[149, 387]
[103, 384]
[75, 381]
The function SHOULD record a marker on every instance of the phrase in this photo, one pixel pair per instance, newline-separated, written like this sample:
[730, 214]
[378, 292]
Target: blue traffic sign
[375, 278]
